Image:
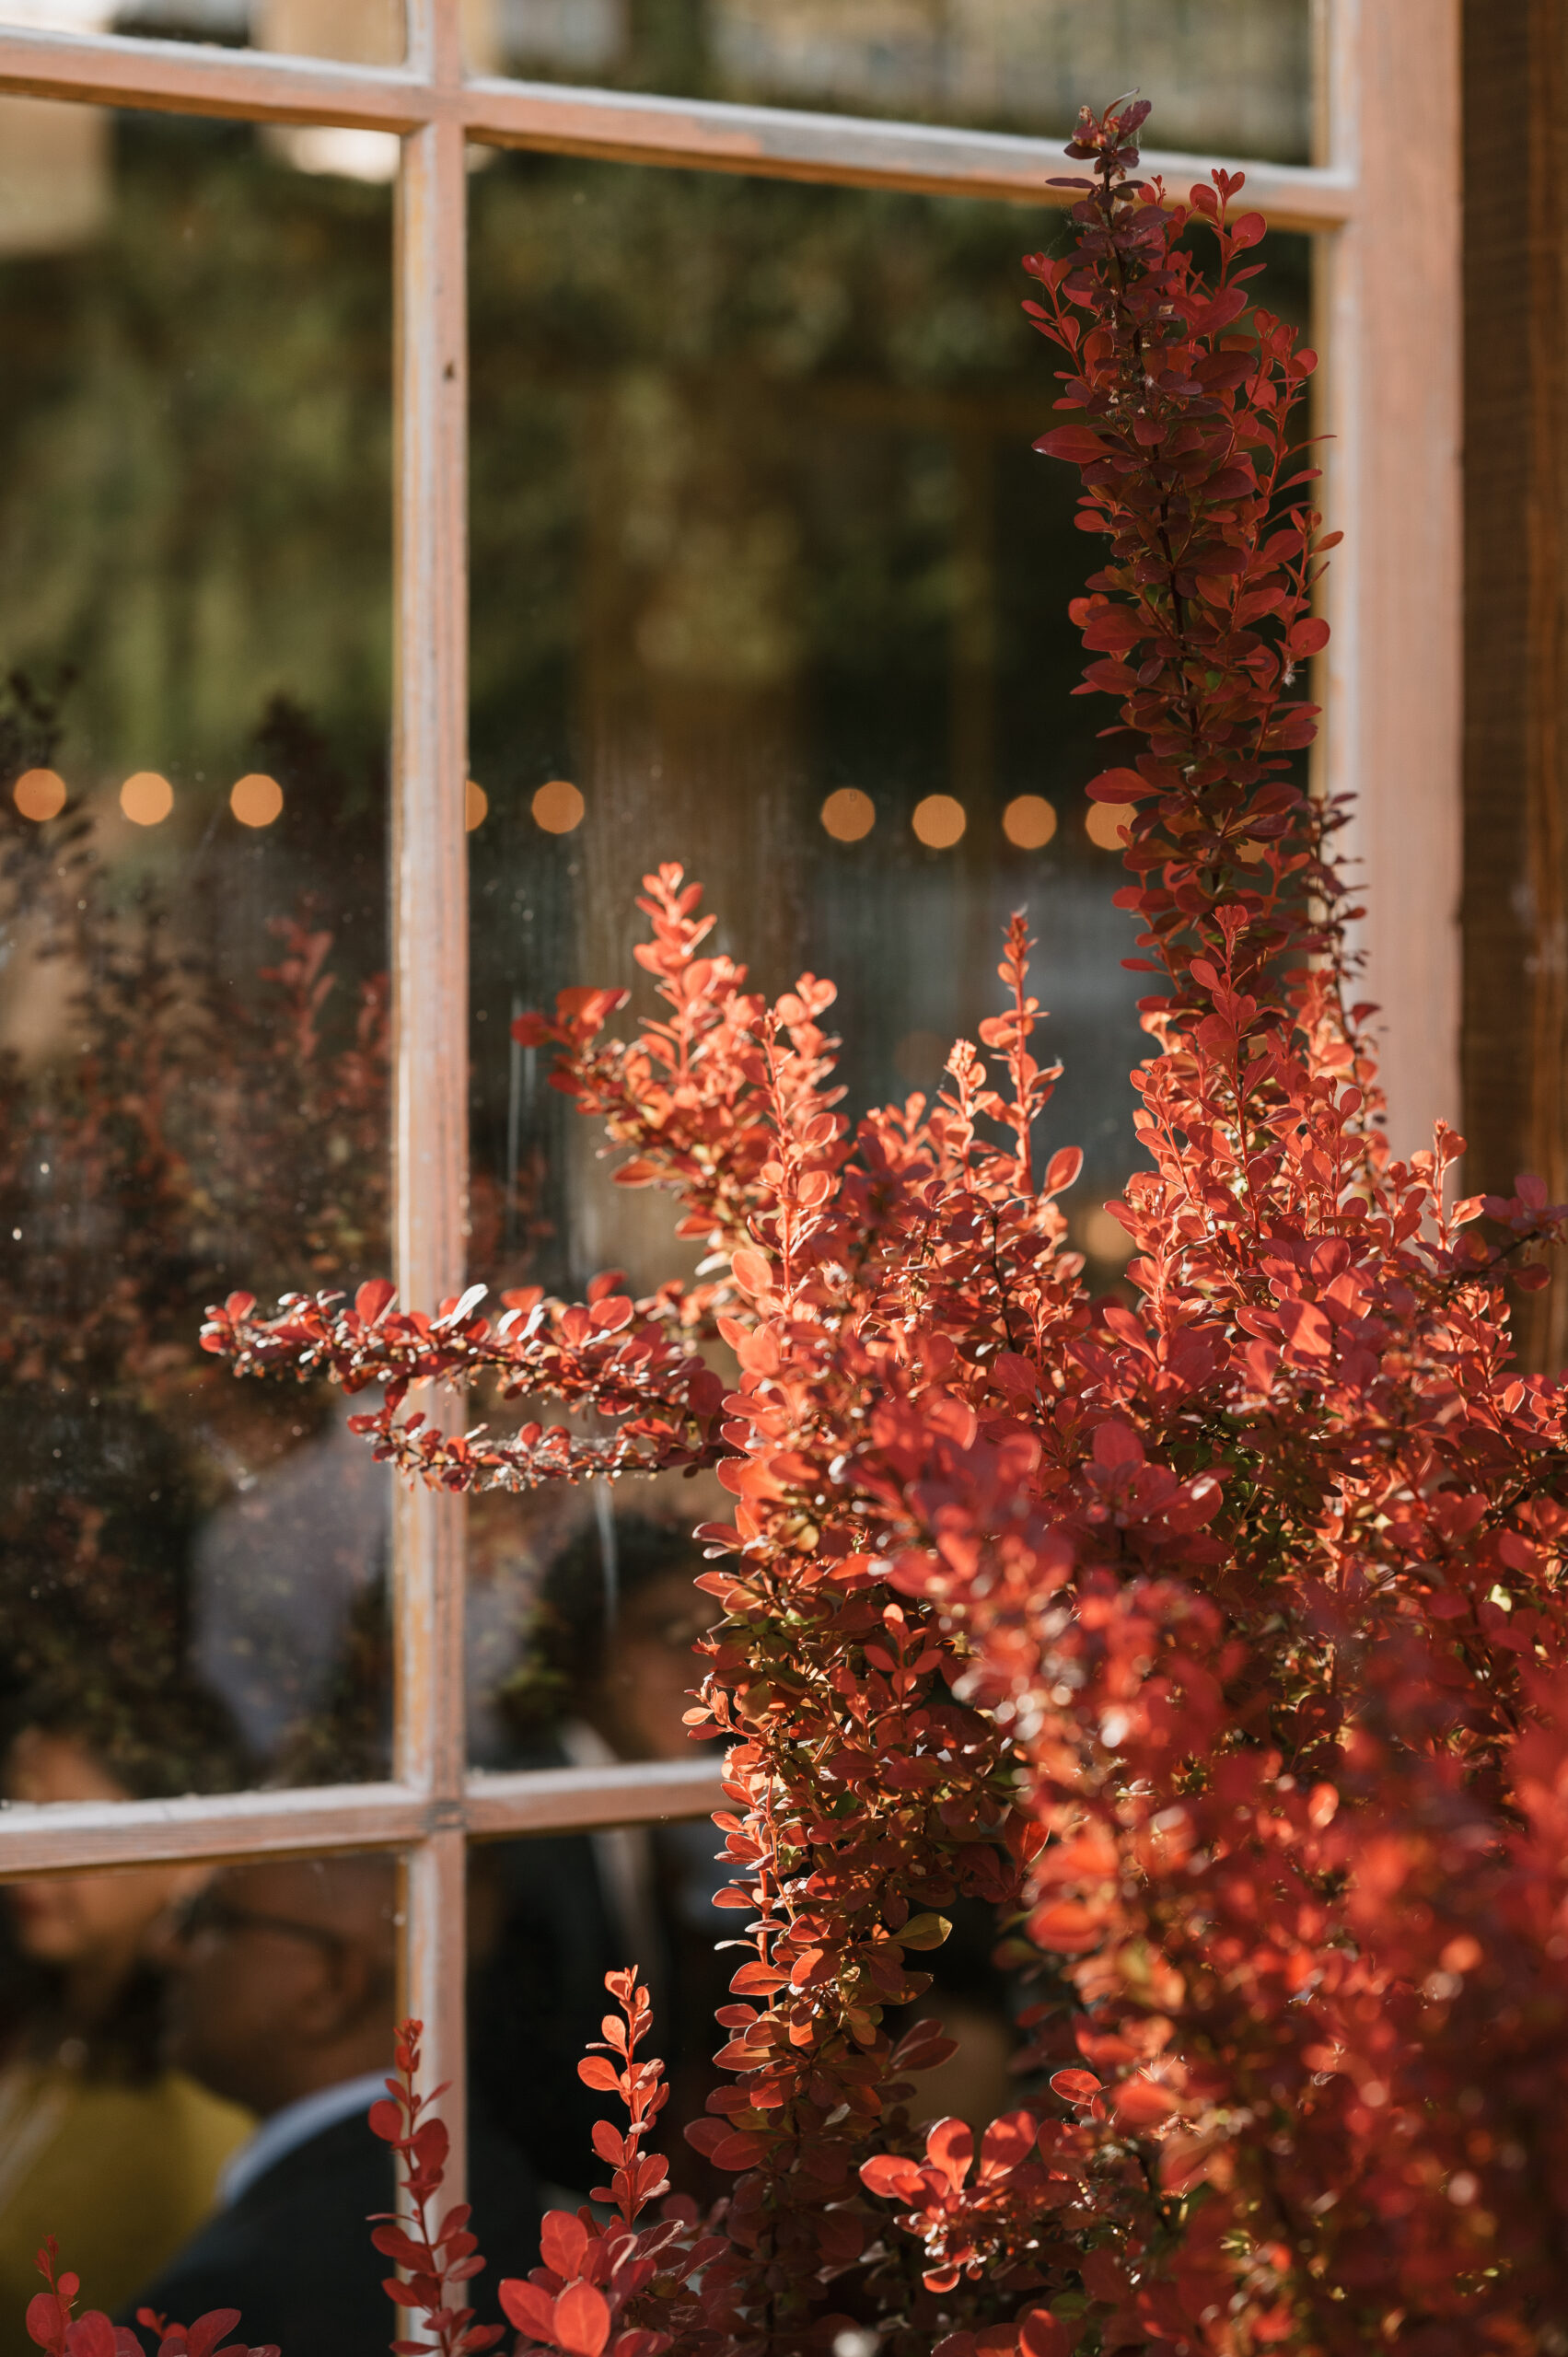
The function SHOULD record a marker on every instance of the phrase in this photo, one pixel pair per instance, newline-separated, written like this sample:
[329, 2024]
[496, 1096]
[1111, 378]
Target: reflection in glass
[103, 2143]
[229, 2069]
[282, 1996]
[604, 1673]
[767, 579]
[194, 557]
[1233, 76]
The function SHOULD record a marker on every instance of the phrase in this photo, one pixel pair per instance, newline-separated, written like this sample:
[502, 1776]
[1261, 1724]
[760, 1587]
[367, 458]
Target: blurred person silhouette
[281, 1998]
[608, 1676]
[102, 2143]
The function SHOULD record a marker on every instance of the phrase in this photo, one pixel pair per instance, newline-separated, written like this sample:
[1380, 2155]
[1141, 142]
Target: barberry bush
[54, 2327]
[1214, 1631]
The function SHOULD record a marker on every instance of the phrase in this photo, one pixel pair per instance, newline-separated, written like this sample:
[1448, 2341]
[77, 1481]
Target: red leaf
[1080, 444]
[1142, 2102]
[92, 2335]
[564, 2242]
[45, 2320]
[610, 1316]
[207, 2331]
[393, 2242]
[1119, 785]
[1063, 1169]
[532, 2310]
[893, 2179]
[374, 1296]
[950, 2145]
[1007, 2141]
[582, 2320]
[753, 1272]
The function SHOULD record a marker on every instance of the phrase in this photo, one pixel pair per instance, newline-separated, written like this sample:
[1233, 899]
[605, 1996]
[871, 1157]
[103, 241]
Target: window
[683, 551]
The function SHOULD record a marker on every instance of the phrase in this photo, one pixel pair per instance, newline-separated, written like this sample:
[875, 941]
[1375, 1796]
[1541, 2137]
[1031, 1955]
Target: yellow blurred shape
[1104, 823]
[146, 798]
[39, 794]
[476, 805]
[1105, 1239]
[256, 799]
[939, 820]
[558, 806]
[849, 814]
[1030, 822]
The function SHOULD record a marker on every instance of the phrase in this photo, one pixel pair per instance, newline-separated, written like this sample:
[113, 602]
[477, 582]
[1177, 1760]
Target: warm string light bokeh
[558, 806]
[1104, 823]
[939, 821]
[40, 793]
[848, 814]
[256, 799]
[146, 798]
[1030, 822]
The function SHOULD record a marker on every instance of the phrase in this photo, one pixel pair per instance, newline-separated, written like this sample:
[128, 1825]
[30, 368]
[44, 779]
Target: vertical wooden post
[430, 969]
[1515, 904]
[1390, 307]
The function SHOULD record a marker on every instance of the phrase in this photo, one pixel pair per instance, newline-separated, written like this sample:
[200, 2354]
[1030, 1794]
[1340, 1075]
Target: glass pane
[767, 580]
[123, 2124]
[194, 602]
[359, 32]
[551, 1914]
[583, 1622]
[1233, 76]
[548, 1916]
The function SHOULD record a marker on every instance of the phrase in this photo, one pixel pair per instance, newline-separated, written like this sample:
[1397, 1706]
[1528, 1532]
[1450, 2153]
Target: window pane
[1234, 75]
[194, 599]
[550, 1914]
[122, 2121]
[767, 580]
[583, 1623]
[362, 32]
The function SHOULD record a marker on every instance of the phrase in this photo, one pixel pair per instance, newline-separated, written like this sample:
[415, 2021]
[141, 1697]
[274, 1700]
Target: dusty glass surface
[767, 579]
[194, 599]
[1232, 75]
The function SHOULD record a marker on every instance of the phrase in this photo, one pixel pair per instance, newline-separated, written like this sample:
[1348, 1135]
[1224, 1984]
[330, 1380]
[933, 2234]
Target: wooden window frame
[1383, 203]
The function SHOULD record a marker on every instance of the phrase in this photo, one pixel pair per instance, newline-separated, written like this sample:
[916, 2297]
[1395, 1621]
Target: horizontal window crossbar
[771, 142]
[73, 1836]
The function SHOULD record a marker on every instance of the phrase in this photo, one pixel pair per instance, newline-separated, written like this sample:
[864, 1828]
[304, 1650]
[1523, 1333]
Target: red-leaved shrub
[1215, 1634]
[437, 2257]
[54, 2329]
